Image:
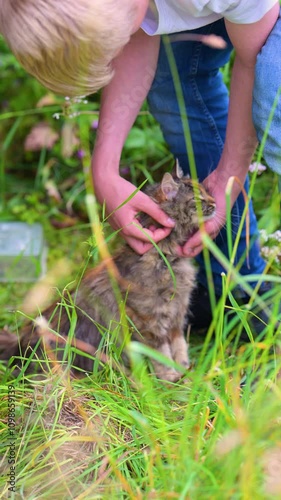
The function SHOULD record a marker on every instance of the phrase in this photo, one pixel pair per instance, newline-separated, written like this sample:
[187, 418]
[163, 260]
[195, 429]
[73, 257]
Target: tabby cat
[156, 302]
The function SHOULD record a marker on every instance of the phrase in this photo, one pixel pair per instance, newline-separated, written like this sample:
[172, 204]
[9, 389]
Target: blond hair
[68, 45]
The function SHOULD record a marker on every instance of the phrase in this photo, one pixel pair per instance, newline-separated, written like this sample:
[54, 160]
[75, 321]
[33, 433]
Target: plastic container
[22, 252]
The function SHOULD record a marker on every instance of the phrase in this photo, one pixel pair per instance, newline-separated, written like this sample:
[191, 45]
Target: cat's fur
[155, 302]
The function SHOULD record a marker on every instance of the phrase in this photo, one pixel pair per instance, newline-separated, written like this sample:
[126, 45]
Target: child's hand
[212, 227]
[114, 193]
[216, 184]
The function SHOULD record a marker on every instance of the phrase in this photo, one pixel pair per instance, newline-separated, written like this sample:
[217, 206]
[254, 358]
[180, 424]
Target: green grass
[124, 434]
[119, 433]
[114, 435]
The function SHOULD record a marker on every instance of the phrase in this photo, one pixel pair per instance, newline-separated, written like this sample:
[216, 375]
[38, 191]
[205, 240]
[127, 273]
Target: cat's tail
[37, 337]
[14, 345]
[9, 343]
[16, 349]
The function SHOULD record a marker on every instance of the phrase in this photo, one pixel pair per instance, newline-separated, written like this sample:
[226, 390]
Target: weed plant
[115, 433]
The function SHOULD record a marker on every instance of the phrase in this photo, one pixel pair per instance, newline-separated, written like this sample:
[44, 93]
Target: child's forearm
[122, 99]
[241, 139]
[240, 136]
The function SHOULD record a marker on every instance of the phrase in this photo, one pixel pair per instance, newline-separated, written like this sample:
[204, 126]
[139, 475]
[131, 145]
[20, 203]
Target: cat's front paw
[183, 361]
[168, 374]
[179, 350]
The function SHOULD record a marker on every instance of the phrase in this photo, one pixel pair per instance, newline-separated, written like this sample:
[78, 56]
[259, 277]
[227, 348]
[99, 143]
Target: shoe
[200, 314]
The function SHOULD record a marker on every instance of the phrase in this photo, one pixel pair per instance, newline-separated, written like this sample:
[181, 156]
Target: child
[71, 47]
[68, 46]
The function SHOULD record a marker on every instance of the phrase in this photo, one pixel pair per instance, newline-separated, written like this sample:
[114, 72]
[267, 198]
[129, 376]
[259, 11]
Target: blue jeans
[206, 101]
[267, 89]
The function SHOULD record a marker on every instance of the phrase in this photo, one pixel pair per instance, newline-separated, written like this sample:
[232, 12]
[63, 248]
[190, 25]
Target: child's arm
[240, 136]
[121, 101]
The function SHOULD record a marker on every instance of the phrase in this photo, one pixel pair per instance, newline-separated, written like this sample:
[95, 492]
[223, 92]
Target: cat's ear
[178, 170]
[169, 187]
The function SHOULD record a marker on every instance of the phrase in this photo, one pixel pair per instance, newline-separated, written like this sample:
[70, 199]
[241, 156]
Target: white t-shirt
[170, 16]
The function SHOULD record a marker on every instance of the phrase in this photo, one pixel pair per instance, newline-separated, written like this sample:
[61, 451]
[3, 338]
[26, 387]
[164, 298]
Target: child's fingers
[140, 239]
[137, 245]
[160, 233]
[195, 244]
[145, 204]
[190, 252]
[135, 230]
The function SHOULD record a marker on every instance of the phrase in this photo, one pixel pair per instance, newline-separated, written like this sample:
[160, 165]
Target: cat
[156, 299]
